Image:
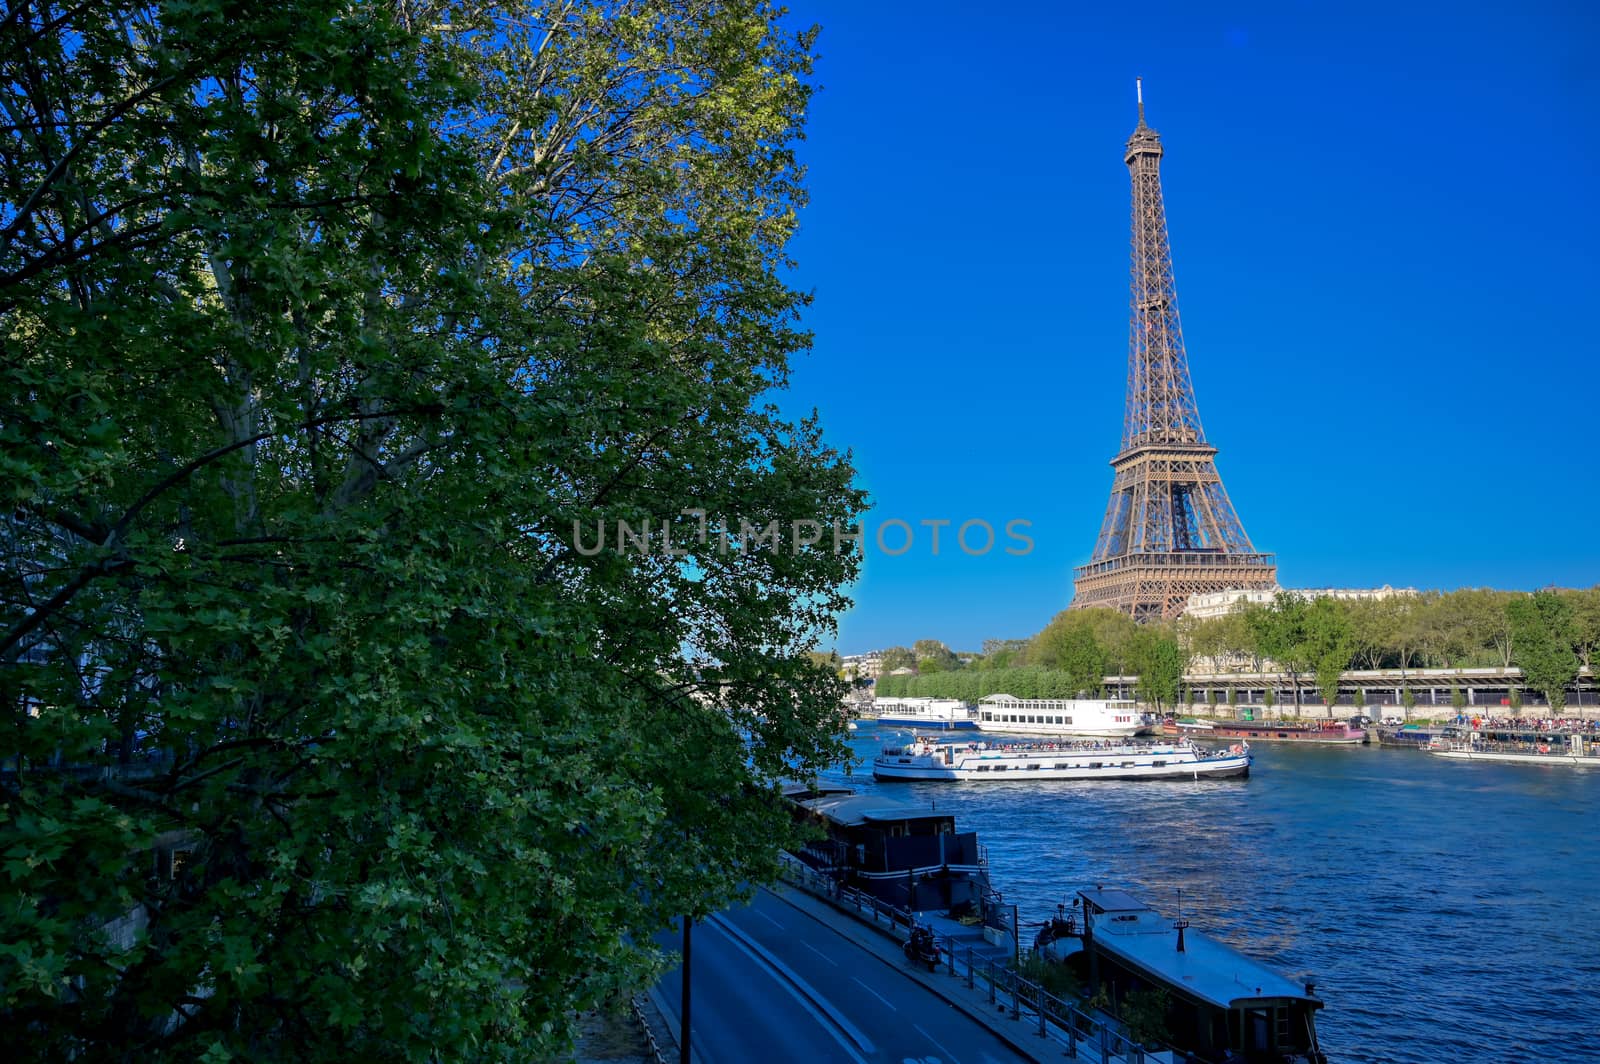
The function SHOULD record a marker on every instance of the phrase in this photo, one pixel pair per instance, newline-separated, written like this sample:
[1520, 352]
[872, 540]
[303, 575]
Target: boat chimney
[1180, 925]
[1311, 990]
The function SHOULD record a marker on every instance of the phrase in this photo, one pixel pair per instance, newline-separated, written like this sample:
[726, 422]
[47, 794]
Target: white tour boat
[940, 714]
[928, 759]
[1541, 751]
[1059, 716]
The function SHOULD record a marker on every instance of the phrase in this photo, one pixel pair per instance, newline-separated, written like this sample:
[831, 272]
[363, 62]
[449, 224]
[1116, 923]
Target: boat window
[1127, 764]
[1035, 765]
[1069, 720]
[1096, 764]
[1158, 764]
[1061, 765]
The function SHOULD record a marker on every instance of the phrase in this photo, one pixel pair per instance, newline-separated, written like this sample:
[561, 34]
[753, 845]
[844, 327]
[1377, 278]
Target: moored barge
[904, 853]
[1221, 1006]
[1336, 732]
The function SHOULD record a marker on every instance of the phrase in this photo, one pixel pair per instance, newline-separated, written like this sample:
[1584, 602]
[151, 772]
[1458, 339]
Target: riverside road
[773, 983]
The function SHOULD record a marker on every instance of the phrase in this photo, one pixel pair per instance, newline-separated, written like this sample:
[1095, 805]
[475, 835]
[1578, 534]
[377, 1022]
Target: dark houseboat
[903, 853]
[1221, 1005]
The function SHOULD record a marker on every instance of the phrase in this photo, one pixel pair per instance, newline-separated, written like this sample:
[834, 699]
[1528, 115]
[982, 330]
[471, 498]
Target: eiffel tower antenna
[1170, 530]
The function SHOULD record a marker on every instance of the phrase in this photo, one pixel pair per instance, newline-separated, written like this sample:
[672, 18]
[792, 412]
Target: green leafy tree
[1444, 634]
[1160, 664]
[1371, 621]
[1583, 606]
[1069, 646]
[934, 656]
[1326, 644]
[335, 336]
[1280, 633]
[1485, 629]
[1145, 1013]
[1408, 700]
[992, 647]
[1117, 636]
[1514, 698]
[1458, 698]
[1269, 698]
[1236, 639]
[1542, 639]
[1408, 630]
[896, 658]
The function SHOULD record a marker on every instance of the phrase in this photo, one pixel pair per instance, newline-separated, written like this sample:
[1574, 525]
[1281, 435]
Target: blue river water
[1445, 910]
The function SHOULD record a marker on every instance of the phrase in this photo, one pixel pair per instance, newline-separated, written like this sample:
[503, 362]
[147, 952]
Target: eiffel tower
[1170, 530]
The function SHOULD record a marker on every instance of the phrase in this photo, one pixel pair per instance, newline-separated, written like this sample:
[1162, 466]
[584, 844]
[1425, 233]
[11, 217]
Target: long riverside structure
[1377, 687]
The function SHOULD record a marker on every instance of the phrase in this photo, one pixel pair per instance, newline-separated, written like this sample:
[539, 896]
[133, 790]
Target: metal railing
[658, 1052]
[1008, 989]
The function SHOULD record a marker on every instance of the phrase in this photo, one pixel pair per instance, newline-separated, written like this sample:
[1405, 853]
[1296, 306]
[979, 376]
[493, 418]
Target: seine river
[1446, 911]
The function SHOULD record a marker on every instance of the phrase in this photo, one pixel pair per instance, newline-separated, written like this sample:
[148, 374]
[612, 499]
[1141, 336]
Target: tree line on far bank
[1549, 635]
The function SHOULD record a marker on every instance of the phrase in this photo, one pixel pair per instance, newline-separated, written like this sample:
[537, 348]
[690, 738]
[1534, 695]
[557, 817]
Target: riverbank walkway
[973, 978]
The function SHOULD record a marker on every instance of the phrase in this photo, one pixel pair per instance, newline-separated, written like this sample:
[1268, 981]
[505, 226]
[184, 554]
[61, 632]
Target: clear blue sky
[1384, 228]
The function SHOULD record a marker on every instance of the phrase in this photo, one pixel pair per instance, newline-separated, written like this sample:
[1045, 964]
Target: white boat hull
[932, 723]
[1163, 762]
[1585, 761]
[1112, 719]
[1121, 731]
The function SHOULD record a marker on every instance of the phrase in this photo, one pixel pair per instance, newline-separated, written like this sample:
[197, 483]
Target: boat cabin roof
[1107, 901]
[852, 810]
[1207, 969]
[1005, 699]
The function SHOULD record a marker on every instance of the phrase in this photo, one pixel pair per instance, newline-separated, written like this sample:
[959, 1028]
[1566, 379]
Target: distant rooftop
[1219, 603]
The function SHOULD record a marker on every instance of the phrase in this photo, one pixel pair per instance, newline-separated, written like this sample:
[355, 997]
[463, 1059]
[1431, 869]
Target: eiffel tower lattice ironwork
[1170, 530]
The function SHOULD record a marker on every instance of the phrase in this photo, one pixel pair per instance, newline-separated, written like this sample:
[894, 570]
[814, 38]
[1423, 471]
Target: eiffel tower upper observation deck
[1170, 530]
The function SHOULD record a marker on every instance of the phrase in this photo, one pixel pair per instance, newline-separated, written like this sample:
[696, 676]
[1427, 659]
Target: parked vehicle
[921, 948]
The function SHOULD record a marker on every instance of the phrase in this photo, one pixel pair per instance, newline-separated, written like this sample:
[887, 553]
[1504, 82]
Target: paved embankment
[805, 980]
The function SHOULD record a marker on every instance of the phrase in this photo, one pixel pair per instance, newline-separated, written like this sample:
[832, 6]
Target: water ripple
[1442, 908]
